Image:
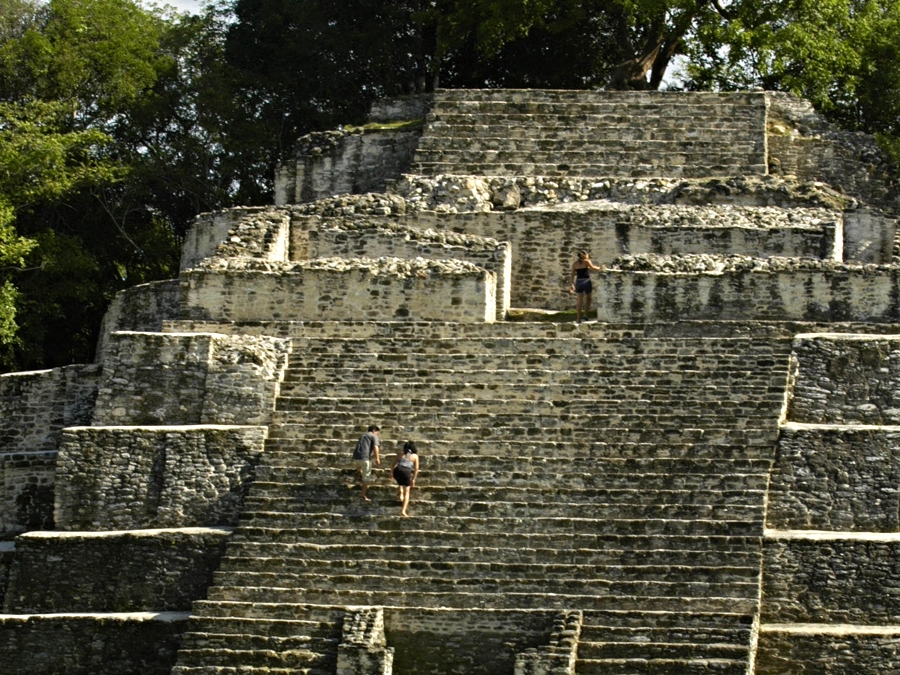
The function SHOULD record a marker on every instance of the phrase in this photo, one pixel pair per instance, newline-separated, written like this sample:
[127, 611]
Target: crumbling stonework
[668, 489]
[162, 570]
[121, 478]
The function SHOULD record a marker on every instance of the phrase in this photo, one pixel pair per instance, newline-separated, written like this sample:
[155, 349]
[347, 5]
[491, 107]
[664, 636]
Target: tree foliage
[118, 123]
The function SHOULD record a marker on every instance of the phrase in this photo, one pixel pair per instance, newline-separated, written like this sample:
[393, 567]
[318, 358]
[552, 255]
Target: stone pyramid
[702, 478]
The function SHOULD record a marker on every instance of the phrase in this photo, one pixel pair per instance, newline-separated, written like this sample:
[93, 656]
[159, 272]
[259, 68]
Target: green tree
[40, 162]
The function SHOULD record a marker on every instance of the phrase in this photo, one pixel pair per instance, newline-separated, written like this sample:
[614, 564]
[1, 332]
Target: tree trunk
[632, 74]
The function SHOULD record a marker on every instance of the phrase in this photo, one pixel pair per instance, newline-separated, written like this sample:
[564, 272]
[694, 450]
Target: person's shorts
[403, 477]
[365, 468]
[584, 286]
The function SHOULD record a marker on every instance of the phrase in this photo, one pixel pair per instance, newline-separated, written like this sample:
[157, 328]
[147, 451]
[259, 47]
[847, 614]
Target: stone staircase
[566, 133]
[593, 498]
[623, 477]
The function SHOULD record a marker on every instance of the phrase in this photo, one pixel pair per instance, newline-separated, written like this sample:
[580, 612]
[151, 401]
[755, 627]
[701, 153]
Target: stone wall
[379, 238]
[845, 379]
[828, 650]
[111, 644]
[189, 378]
[803, 144]
[125, 478]
[544, 241]
[776, 291]
[158, 570]
[34, 409]
[830, 578]
[479, 642]
[836, 478]
[209, 230]
[36, 405]
[139, 308]
[7, 555]
[343, 290]
[26, 491]
[345, 162]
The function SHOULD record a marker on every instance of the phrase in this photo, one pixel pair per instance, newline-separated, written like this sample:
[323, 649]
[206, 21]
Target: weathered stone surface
[841, 478]
[828, 650]
[121, 478]
[338, 289]
[86, 644]
[139, 308]
[159, 570]
[846, 379]
[830, 578]
[156, 378]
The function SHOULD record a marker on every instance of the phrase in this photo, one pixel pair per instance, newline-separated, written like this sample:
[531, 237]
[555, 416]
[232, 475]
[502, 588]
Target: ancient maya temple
[704, 479]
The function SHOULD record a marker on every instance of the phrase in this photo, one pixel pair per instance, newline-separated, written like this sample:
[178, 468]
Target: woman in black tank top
[581, 283]
[405, 470]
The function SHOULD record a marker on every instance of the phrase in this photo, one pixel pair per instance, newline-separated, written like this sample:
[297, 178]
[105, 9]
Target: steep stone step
[478, 474]
[687, 349]
[271, 657]
[281, 572]
[759, 431]
[348, 379]
[482, 525]
[259, 552]
[534, 457]
[285, 451]
[247, 670]
[682, 169]
[480, 597]
[671, 402]
[285, 585]
[578, 150]
[294, 631]
[347, 502]
[661, 666]
[454, 133]
[306, 530]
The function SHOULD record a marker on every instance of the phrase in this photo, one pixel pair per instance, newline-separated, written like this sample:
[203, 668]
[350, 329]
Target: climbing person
[581, 284]
[405, 470]
[366, 450]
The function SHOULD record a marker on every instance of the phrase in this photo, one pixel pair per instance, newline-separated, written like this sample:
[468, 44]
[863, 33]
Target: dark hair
[374, 427]
[409, 447]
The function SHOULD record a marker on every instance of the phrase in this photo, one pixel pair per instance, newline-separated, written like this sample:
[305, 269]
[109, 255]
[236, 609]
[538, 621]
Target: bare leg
[365, 488]
[578, 302]
[405, 502]
[587, 304]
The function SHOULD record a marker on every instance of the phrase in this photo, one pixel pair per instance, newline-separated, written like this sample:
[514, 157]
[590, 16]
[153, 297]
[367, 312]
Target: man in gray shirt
[366, 450]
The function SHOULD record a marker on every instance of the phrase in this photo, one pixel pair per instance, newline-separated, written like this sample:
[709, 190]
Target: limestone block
[26, 491]
[869, 236]
[844, 478]
[189, 378]
[828, 650]
[426, 640]
[209, 230]
[362, 650]
[845, 379]
[830, 578]
[768, 293]
[344, 162]
[36, 405]
[90, 644]
[544, 240]
[160, 570]
[341, 290]
[140, 308]
[110, 478]
[382, 238]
